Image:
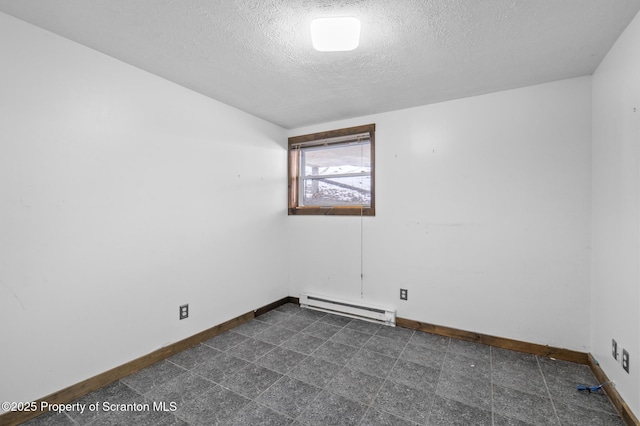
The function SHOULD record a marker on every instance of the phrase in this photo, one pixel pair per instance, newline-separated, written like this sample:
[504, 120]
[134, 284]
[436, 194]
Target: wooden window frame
[294, 207]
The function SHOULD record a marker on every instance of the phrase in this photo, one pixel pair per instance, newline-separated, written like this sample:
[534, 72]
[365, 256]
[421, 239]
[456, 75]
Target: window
[332, 173]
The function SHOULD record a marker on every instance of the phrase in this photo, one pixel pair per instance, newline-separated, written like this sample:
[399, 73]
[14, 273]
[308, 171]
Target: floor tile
[415, 376]
[517, 370]
[404, 402]
[303, 343]
[225, 341]
[384, 346]
[500, 420]
[336, 320]
[520, 381]
[50, 419]
[423, 355]
[311, 314]
[399, 334]
[296, 323]
[356, 385]
[580, 374]
[332, 409]
[564, 390]
[371, 362]
[272, 317]
[375, 417]
[465, 390]
[280, 359]
[193, 356]
[431, 341]
[256, 414]
[214, 407]
[150, 377]
[523, 406]
[315, 371]
[562, 377]
[251, 349]
[350, 337]
[478, 368]
[220, 367]
[578, 415]
[501, 356]
[275, 335]
[473, 350]
[294, 366]
[289, 396]
[147, 417]
[335, 352]
[363, 326]
[446, 412]
[116, 392]
[180, 390]
[251, 328]
[289, 308]
[321, 330]
[251, 381]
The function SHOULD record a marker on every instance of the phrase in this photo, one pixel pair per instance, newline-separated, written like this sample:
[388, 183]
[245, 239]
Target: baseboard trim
[94, 383]
[499, 342]
[622, 407]
[276, 304]
[534, 349]
[89, 385]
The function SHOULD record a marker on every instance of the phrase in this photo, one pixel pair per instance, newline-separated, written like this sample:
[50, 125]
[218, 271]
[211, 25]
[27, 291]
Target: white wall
[616, 213]
[123, 196]
[482, 213]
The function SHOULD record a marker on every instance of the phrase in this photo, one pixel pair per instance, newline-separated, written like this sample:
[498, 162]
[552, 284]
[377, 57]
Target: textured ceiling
[257, 56]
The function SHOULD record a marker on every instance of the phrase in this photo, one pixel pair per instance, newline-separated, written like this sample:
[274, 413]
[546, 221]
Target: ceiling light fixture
[337, 34]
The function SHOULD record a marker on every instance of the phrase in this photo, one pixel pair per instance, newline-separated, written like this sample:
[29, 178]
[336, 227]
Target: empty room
[320, 212]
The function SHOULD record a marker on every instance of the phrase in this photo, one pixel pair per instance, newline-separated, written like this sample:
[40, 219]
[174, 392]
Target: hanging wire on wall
[361, 254]
[361, 236]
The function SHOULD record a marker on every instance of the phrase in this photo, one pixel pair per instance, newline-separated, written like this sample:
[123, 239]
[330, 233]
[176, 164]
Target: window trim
[293, 166]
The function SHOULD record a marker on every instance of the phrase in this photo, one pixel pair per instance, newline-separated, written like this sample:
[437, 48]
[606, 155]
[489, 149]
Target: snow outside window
[332, 172]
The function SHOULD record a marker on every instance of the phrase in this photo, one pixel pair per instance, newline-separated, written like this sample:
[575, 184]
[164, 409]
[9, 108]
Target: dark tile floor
[295, 366]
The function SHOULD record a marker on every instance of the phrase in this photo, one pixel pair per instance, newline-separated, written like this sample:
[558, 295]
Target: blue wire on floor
[592, 389]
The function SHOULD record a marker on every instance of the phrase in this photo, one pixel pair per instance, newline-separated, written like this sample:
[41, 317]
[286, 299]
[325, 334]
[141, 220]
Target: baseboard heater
[345, 308]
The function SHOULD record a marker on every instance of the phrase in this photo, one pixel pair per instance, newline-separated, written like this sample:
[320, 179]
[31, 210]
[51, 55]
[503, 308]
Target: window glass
[332, 172]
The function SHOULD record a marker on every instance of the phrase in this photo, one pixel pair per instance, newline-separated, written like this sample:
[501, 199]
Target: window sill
[332, 211]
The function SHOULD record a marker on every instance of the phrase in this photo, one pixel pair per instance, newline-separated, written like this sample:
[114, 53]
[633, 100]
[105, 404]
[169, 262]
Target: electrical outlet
[625, 360]
[403, 293]
[184, 311]
[614, 349]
